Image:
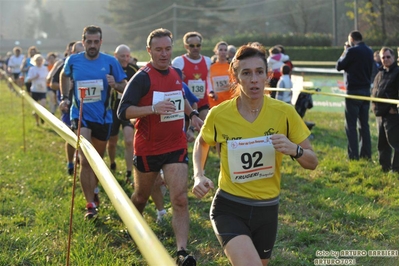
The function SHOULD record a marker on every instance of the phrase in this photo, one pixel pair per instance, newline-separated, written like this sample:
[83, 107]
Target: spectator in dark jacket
[386, 85]
[357, 62]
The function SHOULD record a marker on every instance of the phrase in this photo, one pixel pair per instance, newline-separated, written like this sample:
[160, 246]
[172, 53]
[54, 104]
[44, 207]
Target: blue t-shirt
[91, 74]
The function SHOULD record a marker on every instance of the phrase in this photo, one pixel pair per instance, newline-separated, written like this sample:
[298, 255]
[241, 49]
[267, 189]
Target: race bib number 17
[93, 91]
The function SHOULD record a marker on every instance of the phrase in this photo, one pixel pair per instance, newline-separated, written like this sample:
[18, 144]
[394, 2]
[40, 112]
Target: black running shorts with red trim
[154, 163]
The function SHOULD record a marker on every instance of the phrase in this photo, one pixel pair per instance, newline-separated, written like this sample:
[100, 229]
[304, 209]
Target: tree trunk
[382, 8]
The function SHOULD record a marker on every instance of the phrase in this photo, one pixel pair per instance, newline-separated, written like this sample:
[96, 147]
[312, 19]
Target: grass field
[340, 206]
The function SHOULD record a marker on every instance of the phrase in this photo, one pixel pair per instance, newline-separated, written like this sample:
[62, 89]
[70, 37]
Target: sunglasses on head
[386, 57]
[194, 45]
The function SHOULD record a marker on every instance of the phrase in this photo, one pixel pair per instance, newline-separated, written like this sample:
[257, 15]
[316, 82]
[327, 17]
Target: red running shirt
[152, 136]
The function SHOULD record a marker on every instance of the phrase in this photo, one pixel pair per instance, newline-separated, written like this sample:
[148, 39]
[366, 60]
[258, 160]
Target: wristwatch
[193, 112]
[299, 153]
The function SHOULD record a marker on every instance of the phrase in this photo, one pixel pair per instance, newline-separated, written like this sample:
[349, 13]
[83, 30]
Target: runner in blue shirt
[99, 73]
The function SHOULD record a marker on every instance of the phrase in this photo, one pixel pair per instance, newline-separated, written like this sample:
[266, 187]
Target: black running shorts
[154, 163]
[37, 96]
[98, 131]
[230, 219]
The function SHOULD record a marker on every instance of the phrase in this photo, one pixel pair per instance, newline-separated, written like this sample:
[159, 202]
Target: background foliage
[51, 24]
[298, 23]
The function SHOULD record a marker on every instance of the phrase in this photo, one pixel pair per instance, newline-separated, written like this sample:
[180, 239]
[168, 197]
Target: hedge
[295, 53]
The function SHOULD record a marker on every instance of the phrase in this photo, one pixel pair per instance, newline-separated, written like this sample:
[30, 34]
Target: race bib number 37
[250, 159]
[176, 97]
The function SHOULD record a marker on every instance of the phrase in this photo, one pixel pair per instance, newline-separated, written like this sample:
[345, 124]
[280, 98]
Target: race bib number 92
[250, 159]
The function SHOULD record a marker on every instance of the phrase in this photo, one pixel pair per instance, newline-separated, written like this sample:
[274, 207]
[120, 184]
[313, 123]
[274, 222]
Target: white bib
[220, 83]
[197, 87]
[94, 89]
[176, 97]
[250, 159]
[41, 86]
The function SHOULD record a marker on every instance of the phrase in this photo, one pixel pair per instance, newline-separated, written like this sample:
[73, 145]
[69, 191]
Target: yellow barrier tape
[313, 63]
[141, 233]
[356, 97]
[137, 227]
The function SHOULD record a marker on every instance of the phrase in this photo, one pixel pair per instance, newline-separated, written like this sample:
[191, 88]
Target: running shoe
[183, 259]
[91, 211]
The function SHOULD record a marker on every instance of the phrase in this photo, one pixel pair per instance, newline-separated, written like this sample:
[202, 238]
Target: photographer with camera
[357, 62]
